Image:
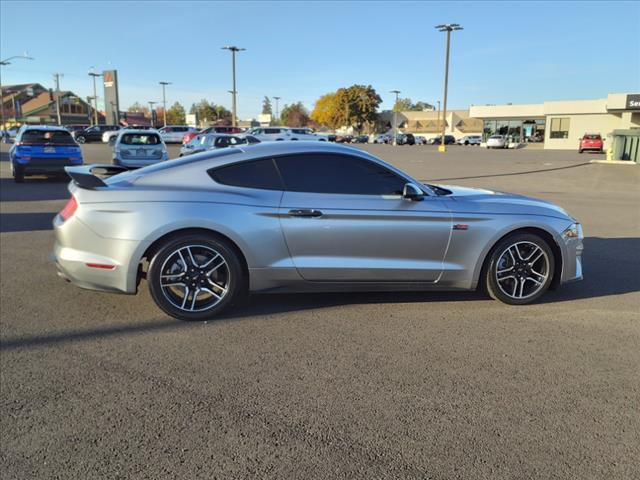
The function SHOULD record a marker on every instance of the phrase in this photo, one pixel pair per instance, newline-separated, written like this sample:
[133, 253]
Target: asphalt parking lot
[424, 385]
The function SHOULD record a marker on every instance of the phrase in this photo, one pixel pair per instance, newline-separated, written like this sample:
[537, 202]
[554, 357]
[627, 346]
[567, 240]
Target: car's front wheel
[519, 269]
[195, 277]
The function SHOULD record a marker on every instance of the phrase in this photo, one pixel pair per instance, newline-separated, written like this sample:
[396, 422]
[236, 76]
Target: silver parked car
[209, 141]
[303, 216]
[138, 148]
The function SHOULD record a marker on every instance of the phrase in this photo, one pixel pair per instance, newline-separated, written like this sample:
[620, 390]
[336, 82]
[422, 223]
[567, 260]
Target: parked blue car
[40, 149]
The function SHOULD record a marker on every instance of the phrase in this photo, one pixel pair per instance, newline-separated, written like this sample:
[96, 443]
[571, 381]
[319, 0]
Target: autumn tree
[266, 106]
[354, 106]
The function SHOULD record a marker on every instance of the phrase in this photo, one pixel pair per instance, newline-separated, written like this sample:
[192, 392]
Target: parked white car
[470, 140]
[420, 140]
[174, 133]
[138, 148]
[384, 138]
[497, 141]
[275, 134]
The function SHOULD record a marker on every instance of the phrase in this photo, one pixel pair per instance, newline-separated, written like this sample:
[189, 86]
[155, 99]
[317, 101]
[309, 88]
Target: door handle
[305, 213]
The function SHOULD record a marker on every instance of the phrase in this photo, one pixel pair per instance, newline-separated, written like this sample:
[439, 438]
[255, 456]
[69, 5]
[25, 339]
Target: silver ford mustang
[302, 216]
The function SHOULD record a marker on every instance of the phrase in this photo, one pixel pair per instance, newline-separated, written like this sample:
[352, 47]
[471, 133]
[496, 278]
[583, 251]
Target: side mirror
[112, 141]
[412, 192]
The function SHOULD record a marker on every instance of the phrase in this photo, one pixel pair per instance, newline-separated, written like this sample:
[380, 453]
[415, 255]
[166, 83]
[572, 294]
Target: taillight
[69, 209]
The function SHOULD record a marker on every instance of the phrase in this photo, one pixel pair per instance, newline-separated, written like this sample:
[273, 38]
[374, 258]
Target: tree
[327, 110]
[353, 106]
[405, 104]
[266, 106]
[137, 107]
[176, 115]
[294, 115]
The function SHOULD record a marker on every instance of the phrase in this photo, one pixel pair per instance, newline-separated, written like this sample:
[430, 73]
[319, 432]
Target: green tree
[175, 115]
[266, 106]
[294, 115]
[405, 104]
[136, 107]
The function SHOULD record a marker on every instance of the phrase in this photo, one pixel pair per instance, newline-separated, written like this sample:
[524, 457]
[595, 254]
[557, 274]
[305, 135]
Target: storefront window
[559, 128]
[488, 129]
[515, 131]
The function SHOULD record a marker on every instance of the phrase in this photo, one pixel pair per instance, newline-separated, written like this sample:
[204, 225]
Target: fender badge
[460, 226]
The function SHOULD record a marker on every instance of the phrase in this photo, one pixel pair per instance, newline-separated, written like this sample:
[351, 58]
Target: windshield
[55, 137]
[140, 139]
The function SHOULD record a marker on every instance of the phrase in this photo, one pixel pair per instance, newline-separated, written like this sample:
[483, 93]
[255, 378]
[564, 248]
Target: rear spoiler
[91, 176]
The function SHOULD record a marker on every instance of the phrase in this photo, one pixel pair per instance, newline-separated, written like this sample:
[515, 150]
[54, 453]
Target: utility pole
[56, 78]
[234, 92]
[438, 124]
[95, 95]
[164, 102]
[395, 117]
[151, 104]
[449, 27]
[4, 63]
[277, 113]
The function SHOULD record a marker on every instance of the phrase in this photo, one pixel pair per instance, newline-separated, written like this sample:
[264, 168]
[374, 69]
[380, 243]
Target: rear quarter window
[260, 174]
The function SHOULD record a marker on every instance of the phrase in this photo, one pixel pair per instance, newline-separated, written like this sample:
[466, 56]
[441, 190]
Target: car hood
[480, 200]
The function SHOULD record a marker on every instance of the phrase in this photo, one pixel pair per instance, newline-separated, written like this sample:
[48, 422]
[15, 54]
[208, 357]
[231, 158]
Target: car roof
[53, 128]
[129, 131]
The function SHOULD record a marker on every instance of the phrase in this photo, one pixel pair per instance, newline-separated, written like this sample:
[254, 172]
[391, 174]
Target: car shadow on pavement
[611, 267]
[26, 222]
[34, 189]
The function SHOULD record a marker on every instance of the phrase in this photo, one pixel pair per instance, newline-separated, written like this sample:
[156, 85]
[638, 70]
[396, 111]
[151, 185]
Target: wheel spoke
[534, 280]
[515, 287]
[194, 298]
[216, 267]
[217, 287]
[505, 270]
[208, 290]
[193, 261]
[184, 262]
[517, 249]
[174, 284]
[186, 295]
[207, 263]
[521, 288]
[507, 278]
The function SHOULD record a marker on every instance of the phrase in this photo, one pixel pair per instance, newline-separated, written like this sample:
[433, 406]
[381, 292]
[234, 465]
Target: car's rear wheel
[18, 174]
[81, 139]
[519, 269]
[195, 277]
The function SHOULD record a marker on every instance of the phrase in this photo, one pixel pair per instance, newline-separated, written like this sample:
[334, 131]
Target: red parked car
[591, 141]
[191, 135]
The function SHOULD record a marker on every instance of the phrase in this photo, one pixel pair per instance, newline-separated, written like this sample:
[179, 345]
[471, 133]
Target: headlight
[574, 231]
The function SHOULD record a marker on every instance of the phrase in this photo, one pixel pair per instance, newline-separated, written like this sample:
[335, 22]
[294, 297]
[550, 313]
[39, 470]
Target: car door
[344, 219]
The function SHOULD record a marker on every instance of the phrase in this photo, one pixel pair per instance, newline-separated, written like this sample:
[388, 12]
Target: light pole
[395, 117]
[164, 102]
[3, 63]
[277, 113]
[56, 78]
[448, 27]
[438, 124]
[151, 104]
[95, 95]
[233, 92]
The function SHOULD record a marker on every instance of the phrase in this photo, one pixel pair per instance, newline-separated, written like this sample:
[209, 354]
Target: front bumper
[572, 249]
[75, 257]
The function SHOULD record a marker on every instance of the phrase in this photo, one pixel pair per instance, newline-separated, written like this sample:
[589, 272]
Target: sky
[508, 52]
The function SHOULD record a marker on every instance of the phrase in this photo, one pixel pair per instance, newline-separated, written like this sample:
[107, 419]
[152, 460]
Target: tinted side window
[254, 174]
[340, 174]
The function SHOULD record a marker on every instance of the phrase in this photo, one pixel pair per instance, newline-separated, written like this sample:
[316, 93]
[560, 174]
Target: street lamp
[151, 104]
[395, 117]
[277, 113]
[164, 102]
[233, 92]
[438, 124]
[95, 95]
[3, 63]
[447, 27]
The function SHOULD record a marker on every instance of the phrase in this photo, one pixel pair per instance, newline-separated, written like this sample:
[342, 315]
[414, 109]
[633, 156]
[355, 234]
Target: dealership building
[559, 124]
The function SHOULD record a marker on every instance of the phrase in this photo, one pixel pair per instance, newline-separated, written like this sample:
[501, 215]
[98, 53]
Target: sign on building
[111, 97]
[633, 101]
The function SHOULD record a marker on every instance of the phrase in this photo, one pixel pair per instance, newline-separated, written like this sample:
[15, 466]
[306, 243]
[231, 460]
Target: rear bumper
[76, 258]
[48, 165]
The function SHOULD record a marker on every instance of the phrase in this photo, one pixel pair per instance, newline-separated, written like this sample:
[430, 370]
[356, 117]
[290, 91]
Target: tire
[509, 276]
[18, 175]
[580, 151]
[81, 139]
[466, 143]
[225, 282]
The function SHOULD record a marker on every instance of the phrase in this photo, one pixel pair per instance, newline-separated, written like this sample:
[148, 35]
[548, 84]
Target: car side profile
[175, 133]
[40, 149]
[303, 216]
[94, 133]
[209, 141]
[497, 141]
[470, 140]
